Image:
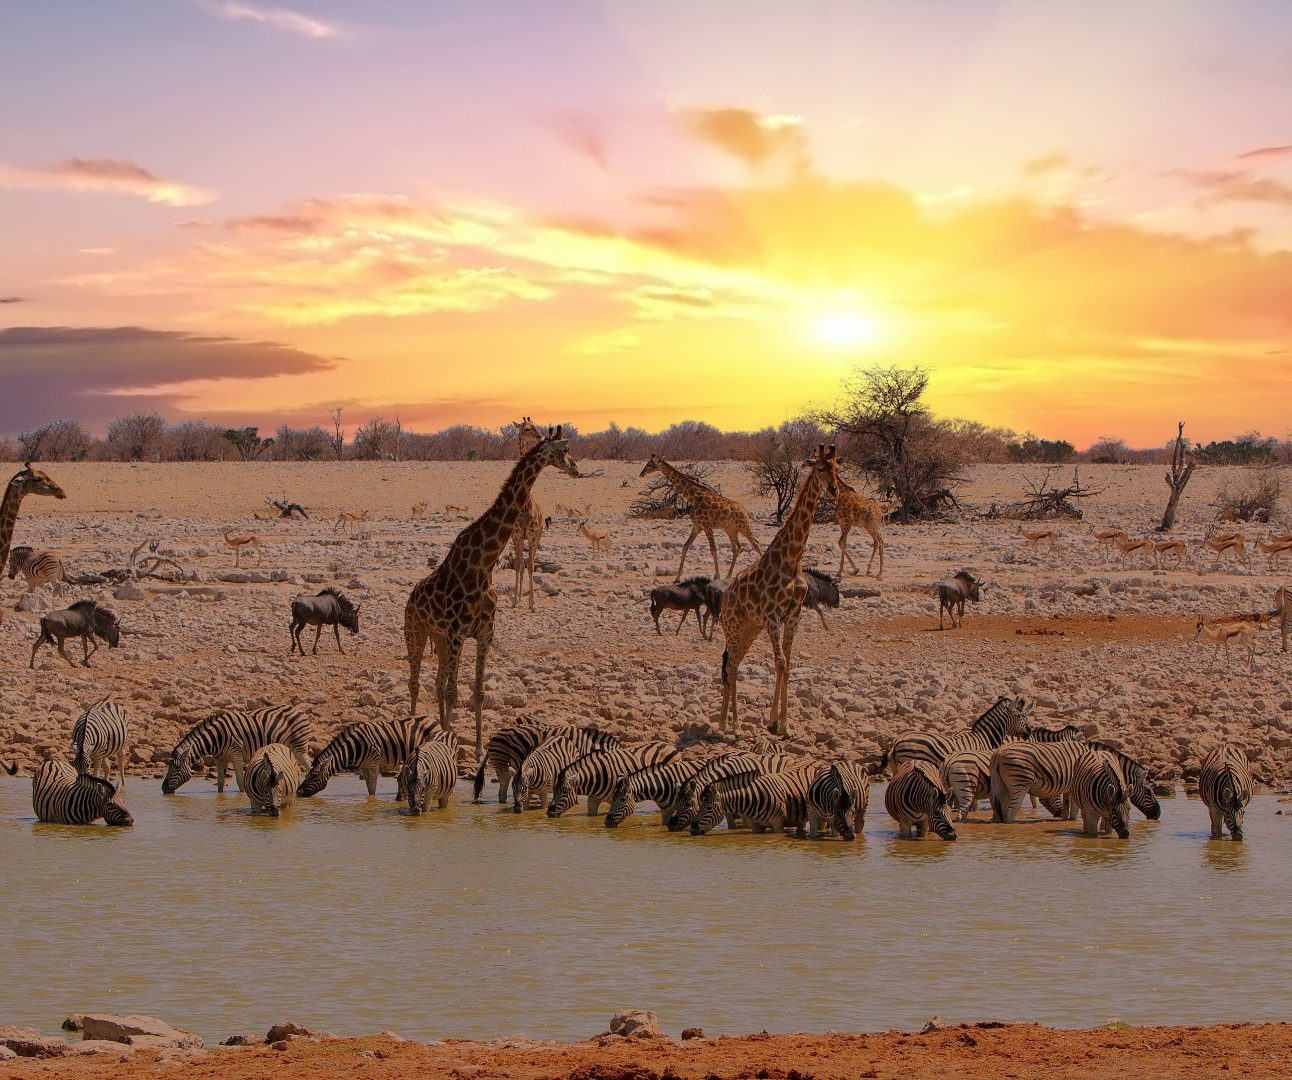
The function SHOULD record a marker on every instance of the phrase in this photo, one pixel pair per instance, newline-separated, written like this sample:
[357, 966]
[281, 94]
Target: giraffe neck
[13, 494]
[488, 536]
[787, 546]
[692, 487]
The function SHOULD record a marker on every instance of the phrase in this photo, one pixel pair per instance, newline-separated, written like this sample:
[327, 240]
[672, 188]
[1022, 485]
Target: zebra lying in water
[662, 784]
[595, 775]
[270, 778]
[369, 747]
[233, 735]
[98, 736]
[430, 774]
[837, 798]
[62, 796]
[765, 801]
[537, 774]
[1225, 787]
[1046, 769]
[916, 800]
[1100, 794]
[724, 765]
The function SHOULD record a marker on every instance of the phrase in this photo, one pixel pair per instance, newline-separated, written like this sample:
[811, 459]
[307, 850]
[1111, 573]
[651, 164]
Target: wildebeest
[684, 596]
[86, 619]
[952, 594]
[331, 607]
[823, 591]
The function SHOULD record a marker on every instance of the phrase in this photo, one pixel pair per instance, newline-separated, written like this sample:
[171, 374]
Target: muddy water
[347, 915]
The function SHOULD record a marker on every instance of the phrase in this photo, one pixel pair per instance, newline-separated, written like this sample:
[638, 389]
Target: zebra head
[562, 799]
[941, 826]
[414, 778]
[114, 811]
[274, 796]
[709, 813]
[178, 772]
[520, 788]
[320, 772]
[688, 805]
[1234, 818]
[842, 811]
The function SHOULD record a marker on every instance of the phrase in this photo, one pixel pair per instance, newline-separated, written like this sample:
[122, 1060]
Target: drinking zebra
[1225, 787]
[270, 778]
[1100, 794]
[99, 735]
[431, 773]
[662, 784]
[1045, 770]
[507, 750]
[766, 802]
[1006, 719]
[369, 747]
[595, 775]
[37, 567]
[916, 800]
[537, 775]
[233, 735]
[724, 765]
[62, 796]
[839, 792]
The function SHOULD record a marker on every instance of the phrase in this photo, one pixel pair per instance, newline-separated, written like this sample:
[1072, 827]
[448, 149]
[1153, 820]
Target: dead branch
[287, 509]
[1044, 500]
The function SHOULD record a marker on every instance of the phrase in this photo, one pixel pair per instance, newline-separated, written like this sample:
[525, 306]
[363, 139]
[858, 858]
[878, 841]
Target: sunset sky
[1078, 215]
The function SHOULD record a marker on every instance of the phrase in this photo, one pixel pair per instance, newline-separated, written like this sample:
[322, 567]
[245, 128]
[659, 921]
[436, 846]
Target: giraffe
[709, 511]
[769, 596]
[27, 481]
[457, 600]
[529, 524]
[853, 511]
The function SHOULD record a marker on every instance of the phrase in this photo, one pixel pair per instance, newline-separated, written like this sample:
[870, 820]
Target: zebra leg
[594, 805]
[503, 774]
[814, 825]
[240, 769]
[369, 774]
[1217, 815]
[1090, 821]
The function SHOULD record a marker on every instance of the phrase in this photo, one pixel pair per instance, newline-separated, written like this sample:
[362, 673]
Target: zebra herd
[1002, 756]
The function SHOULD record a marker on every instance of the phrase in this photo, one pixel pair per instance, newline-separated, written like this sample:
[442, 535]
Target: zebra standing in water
[662, 784]
[233, 735]
[270, 778]
[916, 800]
[537, 774]
[99, 735]
[368, 747]
[1045, 770]
[430, 774]
[595, 775]
[1006, 719]
[1225, 787]
[717, 768]
[1100, 794]
[62, 796]
[506, 751]
[839, 791]
[766, 802]
[37, 567]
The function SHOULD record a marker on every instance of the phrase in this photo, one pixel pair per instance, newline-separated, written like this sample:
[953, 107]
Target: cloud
[1045, 163]
[754, 138]
[14, 299]
[94, 373]
[1264, 153]
[280, 18]
[581, 133]
[1221, 186]
[103, 175]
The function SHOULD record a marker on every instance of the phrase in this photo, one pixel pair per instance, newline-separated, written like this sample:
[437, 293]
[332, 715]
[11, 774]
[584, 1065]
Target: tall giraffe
[529, 525]
[769, 596]
[709, 511]
[457, 600]
[855, 511]
[27, 481]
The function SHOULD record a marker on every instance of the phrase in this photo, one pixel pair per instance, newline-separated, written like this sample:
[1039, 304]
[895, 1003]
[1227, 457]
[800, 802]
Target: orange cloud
[756, 139]
[104, 175]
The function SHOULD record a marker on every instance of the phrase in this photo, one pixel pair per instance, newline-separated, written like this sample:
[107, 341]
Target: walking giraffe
[27, 481]
[853, 511]
[529, 525]
[457, 600]
[769, 596]
[709, 511]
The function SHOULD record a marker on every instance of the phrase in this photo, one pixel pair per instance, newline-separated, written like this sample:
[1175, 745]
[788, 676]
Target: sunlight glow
[846, 329]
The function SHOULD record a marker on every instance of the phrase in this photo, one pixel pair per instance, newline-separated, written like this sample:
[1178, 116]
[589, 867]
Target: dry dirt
[1092, 643]
[971, 1052]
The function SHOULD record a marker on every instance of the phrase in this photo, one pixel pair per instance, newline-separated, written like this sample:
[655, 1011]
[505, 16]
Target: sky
[1078, 216]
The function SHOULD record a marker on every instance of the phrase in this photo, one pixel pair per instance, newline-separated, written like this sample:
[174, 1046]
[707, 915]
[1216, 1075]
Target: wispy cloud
[754, 138]
[1264, 153]
[582, 134]
[1222, 186]
[103, 176]
[14, 299]
[281, 18]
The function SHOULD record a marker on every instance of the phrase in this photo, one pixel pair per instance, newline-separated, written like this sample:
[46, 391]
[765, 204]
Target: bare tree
[59, 440]
[137, 437]
[195, 440]
[661, 499]
[338, 435]
[1178, 477]
[8, 449]
[778, 463]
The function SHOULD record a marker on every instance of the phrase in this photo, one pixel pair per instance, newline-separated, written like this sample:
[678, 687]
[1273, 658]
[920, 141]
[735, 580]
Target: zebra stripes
[1225, 787]
[662, 784]
[966, 775]
[37, 567]
[1067, 733]
[270, 778]
[1100, 794]
[724, 765]
[1006, 719]
[595, 775]
[506, 751]
[62, 796]
[766, 802]
[1045, 770]
[915, 799]
[430, 773]
[369, 747]
[537, 774]
[99, 735]
[839, 792]
[232, 735]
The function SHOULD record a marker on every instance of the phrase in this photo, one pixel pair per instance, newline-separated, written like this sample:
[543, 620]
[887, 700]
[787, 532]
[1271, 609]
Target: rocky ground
[1109, 648]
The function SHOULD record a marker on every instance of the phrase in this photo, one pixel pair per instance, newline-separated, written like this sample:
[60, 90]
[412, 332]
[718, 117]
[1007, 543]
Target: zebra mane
[1124, 759]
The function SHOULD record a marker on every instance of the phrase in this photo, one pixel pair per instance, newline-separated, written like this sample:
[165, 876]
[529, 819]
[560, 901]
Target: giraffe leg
[780, 681]
[695, 531]
[737, 645]
[713, 550]
[734, 537]
[483, 641]
[787, 637]
[518, 558]
[753, 540]
[448, 651]
[876, 548]
[844, 552]
[415, 640]
[533, 553]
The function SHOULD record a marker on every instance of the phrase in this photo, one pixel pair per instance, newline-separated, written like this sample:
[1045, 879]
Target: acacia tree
[1178, 477]
[247, 442]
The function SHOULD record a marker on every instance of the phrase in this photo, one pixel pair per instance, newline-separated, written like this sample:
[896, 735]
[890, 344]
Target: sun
[845, 329]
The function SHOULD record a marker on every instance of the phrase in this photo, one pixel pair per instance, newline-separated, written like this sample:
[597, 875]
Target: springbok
[454, 508]
[238, 541]
[599, 537]
[1108, 536]
[1178, 548]
[1273, 549]
[1035, 536]
[1143, 548]
[1228, 544]
[420, 509]
[348, 520]
[1223, 633]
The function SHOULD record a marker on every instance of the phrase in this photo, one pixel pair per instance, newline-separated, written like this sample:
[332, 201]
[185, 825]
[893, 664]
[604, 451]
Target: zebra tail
[477, 785]
[12, 768]
[875, 768]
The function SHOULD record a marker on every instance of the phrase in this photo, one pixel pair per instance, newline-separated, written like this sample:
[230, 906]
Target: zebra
[1045, 770]
[232, 735]
[916, 800]
[1225, 787]
[839, 792]
[660, 783]
[270, 778]
[62, 796]
[99, 735]
[368, 746]
[430, 773]
[537, 774]
[1067, 733]
[966, 775]
[1100, 794]
[1006, 719]
[724, 765]
[596, 774]
[506, 750]
[766, 801]
[37, 567]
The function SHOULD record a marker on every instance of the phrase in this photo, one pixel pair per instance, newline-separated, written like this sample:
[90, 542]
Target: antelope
[1281, 538]
[1224, 544]
[238, 541]
[1178, 548]
[1223, 633]
[1035, 536]
[349, 519]
[1127, 546]
[1273, 549]
[1108, 536]
[599, 537]
[454, 508]
[420, 509]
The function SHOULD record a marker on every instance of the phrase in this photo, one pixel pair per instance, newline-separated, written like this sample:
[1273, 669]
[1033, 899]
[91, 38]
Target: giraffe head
[554, 450]
[825, 465]
[527, 433]
[653, 464]
[34, 482]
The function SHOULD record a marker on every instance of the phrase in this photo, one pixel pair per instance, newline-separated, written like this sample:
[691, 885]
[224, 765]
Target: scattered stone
[137, 1030]
[280, 1044]
[636, 1024]
[30, 1043]
[284, 1028]
[936, 1024]
[73, 1022]
[6, 1054]
[243, 1040]
[692, 1033]
[129, 591]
